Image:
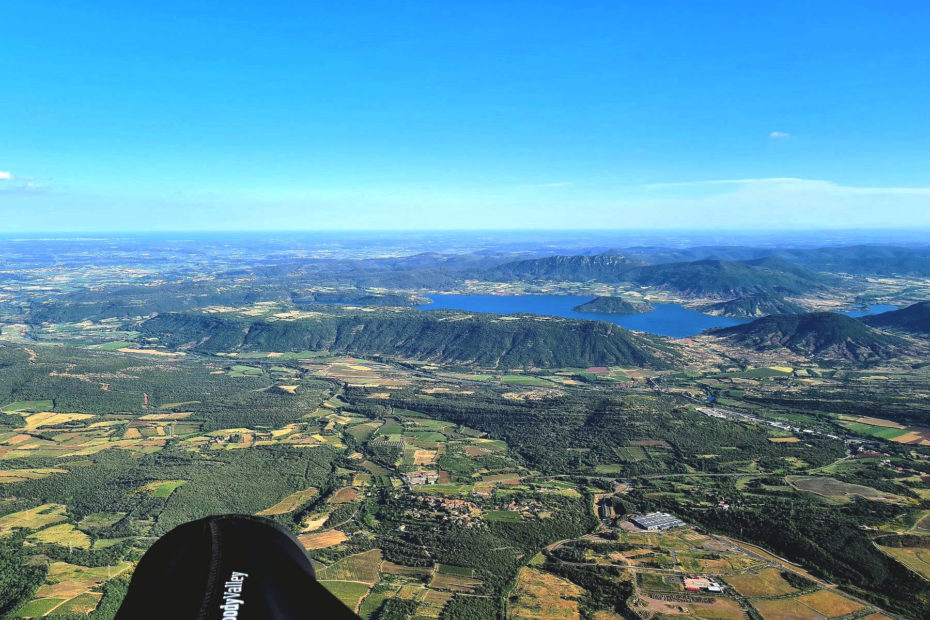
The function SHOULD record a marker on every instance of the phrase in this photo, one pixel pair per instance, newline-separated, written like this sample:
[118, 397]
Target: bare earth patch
[322, 540]
[543, 596]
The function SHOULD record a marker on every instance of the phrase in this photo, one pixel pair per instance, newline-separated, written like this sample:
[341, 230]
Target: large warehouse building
[657, 521]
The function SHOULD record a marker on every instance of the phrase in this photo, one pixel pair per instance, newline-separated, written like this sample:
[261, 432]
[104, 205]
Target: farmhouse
[698, 584]
[657, 521]
[416, 478]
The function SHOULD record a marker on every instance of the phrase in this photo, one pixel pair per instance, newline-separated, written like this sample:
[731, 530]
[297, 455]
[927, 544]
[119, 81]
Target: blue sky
[434, 115]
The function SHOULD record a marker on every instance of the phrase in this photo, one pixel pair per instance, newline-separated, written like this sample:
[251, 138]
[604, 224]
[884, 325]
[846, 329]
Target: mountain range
[815, 334]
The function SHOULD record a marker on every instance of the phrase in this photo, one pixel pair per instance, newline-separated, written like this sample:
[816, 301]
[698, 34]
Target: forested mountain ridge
[817, 334]
[600, 267]
[701, 278]
[613, 305]
[753, 306]
[718, 278]
[914, 319]
[483, 340]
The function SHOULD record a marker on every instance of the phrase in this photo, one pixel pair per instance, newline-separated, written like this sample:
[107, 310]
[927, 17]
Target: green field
[39, 607]
[461, 571]
[391, 427]
[28, 406]
[651, 581]
[882, 432]
[760, 373]
[165, 489]
[348, 592]
[113, 346]
[631, 454]
[363, 432]
[426, 436]
[524, 380]
[503, 515]
[245, 371]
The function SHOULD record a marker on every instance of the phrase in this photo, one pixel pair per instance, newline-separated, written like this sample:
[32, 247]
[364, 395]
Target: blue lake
[876, 309]
[666, 320]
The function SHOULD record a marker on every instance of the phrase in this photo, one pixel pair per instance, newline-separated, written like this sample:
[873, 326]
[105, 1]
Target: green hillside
[613, 305]
[702, 278]
[727, 279]
[819, 334]
[600, 268]
[485, 340]
[753, 306]
[914, 319]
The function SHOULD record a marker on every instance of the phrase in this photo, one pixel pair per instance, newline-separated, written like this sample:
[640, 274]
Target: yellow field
[150, 352]
[879, 422]
[62, 534]
[291, 502]
[453, 583]
[915, 558]
[424, 457]
[785, 609]
[34, 518]
[543, 596]
[314, 522]
[290, 389]
[48, 418]
[784, 439]
[432, 602]
[83, 603]
[166, 416]
[399, 569]
[767, 582]
[830, 604]
[915, 437]
[720, 609]
[322, 540]
[782, 368]
[69, 580]
[362, 567]
[19, 475]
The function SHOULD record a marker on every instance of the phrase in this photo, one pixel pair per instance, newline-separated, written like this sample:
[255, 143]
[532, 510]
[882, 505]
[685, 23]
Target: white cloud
[793, 184]
[779, 135]
[5, 176]
[722, 182]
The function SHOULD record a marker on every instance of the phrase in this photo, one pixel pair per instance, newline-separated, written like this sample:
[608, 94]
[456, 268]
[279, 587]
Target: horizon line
[8, 234]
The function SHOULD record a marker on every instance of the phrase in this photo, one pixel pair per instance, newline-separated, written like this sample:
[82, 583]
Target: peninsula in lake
[613, 305]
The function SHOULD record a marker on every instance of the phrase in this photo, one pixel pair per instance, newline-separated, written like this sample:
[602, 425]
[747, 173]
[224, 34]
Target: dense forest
[826, 334]
[442, 336]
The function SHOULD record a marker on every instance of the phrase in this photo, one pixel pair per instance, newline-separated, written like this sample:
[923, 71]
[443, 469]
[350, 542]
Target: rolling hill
[613, 305]
[439, 336]
[753, 306]
[816, 334]
[914, 319]
[728, 279]
[600, 267]
[708, 278]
